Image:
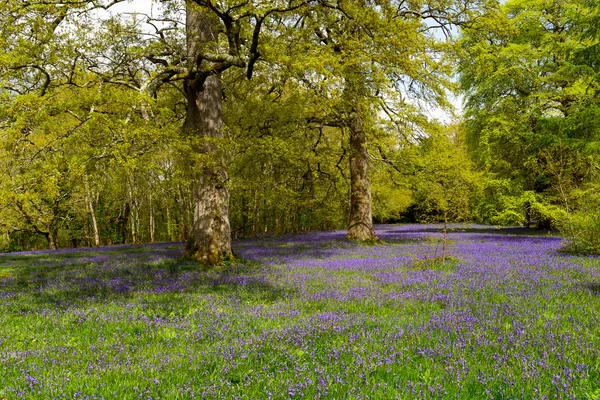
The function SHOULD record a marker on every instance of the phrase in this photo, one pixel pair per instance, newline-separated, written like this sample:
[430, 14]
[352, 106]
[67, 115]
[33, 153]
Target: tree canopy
[205, 120]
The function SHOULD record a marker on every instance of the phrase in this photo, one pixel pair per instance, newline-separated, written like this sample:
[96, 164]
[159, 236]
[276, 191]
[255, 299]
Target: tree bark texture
[51, 238]
[169, 230]
[132, 214]
[210, 237]
[151, 224]
[360, 227]
[90, 205]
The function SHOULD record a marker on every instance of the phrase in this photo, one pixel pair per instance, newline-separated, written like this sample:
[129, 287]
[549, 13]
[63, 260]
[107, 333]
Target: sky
[143, 6]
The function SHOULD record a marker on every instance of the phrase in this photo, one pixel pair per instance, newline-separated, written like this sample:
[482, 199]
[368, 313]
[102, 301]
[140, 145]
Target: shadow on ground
[593, 287]
[63, 279]
[73, 275]
[470, 229]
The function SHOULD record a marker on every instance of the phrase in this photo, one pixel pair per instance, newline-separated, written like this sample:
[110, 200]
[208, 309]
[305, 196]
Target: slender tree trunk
[90, 205]
[133, 232]
[169, 231]
[87, 239]
[361, 219]
[151, 226]
[94, 225]
[445, 240]
[123, 220]
[183, 215]
[255, 214]
[244, 209]
[210, 238]
[265, 216]
[136, 221]
[132, 215]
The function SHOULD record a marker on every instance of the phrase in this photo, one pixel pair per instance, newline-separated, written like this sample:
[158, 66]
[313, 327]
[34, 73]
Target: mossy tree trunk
[210, 238]
[360, 226]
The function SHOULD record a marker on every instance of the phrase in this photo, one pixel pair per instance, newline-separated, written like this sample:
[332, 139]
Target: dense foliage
[530, 74]
[93, 103]
[332, 129]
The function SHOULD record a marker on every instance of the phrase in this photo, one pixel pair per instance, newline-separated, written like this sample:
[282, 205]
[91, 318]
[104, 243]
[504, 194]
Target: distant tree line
[207, 120]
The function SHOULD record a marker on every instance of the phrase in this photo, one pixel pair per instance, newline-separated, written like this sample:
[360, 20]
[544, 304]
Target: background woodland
[326, 117]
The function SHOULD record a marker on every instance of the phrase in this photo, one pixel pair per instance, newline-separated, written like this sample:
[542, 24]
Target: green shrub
[583, 233]
[4, 243]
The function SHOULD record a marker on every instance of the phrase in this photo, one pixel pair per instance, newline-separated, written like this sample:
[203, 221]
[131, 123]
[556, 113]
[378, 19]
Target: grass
[306, 316]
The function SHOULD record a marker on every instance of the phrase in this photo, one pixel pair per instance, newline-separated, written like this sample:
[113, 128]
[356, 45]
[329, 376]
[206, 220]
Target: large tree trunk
[51, 238]
[361, 219]
[360, 227]
[210, 238]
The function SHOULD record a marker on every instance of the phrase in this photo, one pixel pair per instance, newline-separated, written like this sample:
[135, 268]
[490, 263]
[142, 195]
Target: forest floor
[306, 316]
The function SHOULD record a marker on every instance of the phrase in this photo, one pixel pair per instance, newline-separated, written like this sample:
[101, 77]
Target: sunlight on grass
[6, 273]
[318, 318]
